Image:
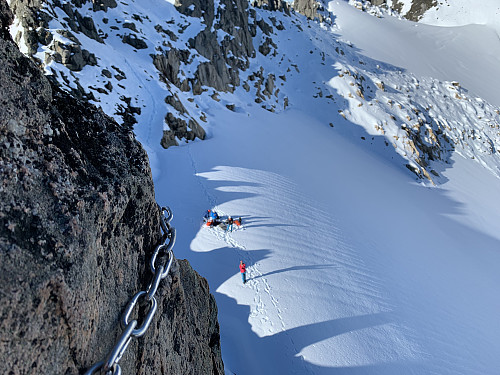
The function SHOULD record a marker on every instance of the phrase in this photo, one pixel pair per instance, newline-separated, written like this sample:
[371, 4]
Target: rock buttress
[78, 223]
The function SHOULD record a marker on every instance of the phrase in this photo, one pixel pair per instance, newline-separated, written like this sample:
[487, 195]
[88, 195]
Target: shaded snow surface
[353, 266]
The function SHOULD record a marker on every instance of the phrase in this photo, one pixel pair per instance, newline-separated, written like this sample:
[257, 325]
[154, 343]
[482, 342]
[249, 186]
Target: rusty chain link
[110, 365]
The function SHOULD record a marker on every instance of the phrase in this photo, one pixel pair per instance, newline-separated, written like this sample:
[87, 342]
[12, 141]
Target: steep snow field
[466, 50]
[354, 267]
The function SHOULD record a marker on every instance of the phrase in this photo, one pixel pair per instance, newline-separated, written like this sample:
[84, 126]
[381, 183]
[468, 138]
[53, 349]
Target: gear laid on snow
[212, 219]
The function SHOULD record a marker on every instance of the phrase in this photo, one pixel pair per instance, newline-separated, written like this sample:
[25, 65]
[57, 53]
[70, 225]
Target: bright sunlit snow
[465, 52]
[354, 266]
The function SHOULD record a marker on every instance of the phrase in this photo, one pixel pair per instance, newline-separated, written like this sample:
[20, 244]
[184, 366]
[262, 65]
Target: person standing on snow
[243, 270]
[229, 224]
[208, 218]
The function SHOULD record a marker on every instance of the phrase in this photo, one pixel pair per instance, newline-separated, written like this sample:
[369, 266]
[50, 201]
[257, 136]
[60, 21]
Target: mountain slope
[353, 268]
[355, 265]
[464, 48]
[170, 69]
[78, 219]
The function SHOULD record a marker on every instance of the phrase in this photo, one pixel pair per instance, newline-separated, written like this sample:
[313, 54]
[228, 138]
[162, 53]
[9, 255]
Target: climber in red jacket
[243, 270]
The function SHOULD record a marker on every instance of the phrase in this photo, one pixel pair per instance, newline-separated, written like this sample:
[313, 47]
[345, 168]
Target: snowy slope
[355, 267]
[466, 50]
[462, 12]
[396, 83]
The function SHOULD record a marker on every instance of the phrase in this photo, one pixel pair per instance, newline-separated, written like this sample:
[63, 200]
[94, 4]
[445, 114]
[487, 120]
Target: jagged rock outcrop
[179, 130]
[309, 8]
[274, 5]
[6, 18]
[226, 57]
[78, 23]
[34, 21]
[103, 4]
[416, 11]
[418, 8]
[78, 223]
[134, 41]
[70, 55]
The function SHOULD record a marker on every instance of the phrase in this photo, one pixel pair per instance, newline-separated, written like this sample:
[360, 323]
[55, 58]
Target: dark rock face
[378, 2]
[71, 55]
[27, 12]
[135, 42]
[227, 58]
[168, 64]
[35, 21]
[103, 5]
[191, 351]
[78, 223]
[6, 18]
[179, 128]
[273, 5]
[309, 8]
[78, 23]
[417, 10]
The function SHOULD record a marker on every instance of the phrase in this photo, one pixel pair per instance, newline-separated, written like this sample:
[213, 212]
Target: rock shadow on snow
[298, 268]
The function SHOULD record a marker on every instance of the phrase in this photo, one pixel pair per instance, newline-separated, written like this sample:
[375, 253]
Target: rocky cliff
[194, 47]
[416, 10]
[170, 70]
[78, 223]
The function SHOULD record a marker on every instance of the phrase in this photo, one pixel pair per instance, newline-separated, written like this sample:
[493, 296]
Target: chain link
[110, 365]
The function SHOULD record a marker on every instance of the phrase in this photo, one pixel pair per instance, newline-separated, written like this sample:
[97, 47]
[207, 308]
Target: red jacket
[243, 268]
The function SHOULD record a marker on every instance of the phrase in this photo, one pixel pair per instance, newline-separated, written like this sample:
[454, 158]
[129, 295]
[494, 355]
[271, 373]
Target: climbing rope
[110, 365]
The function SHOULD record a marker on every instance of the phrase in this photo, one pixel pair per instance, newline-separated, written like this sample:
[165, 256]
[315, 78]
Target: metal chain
[110, 365]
